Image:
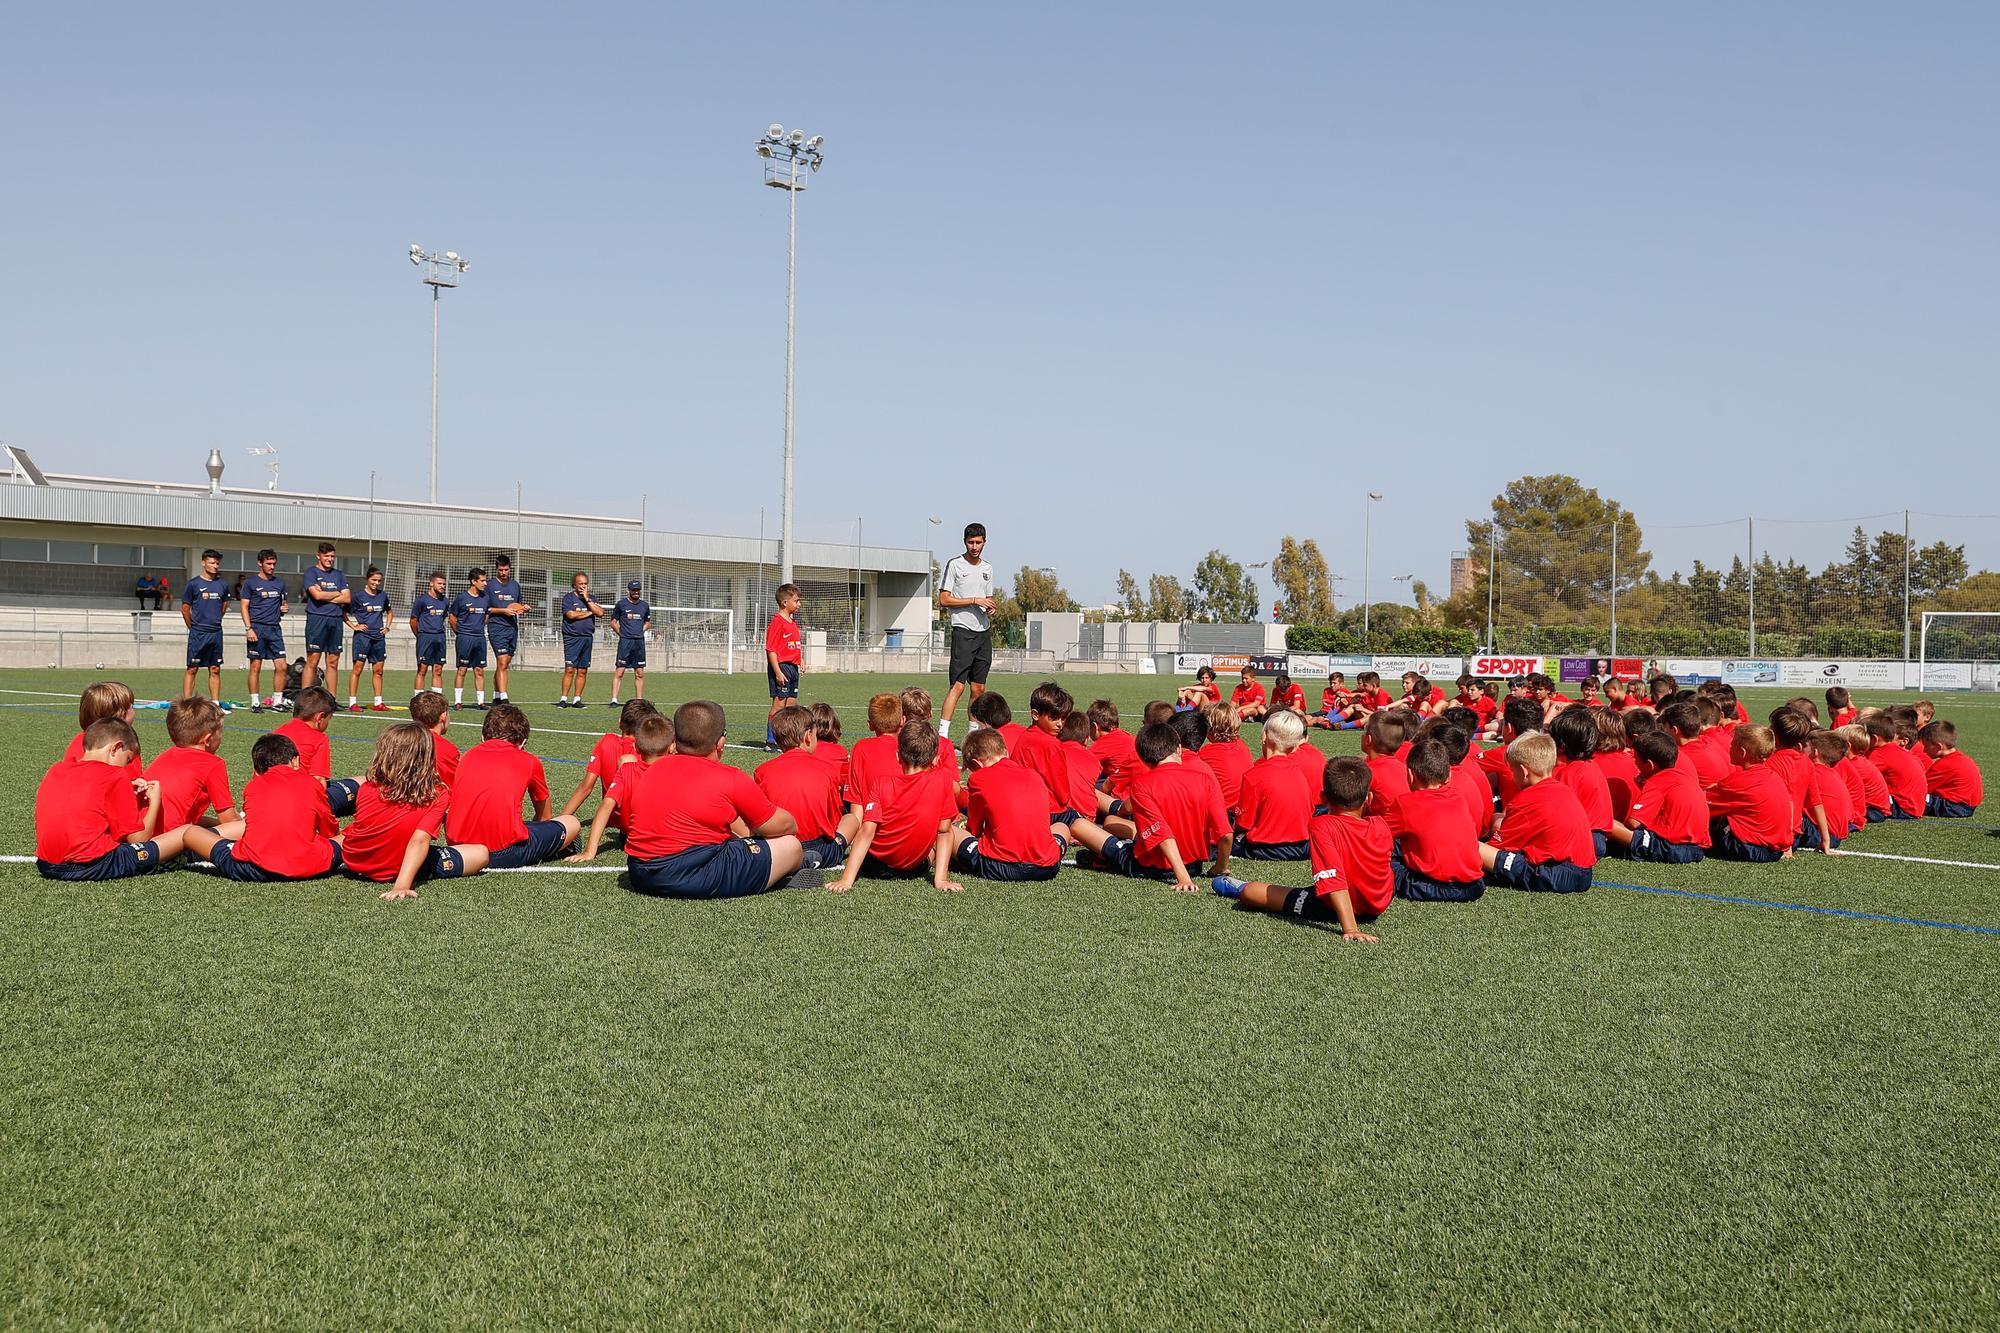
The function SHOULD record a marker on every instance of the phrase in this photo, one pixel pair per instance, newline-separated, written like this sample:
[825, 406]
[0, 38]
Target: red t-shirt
[1493, 763]
[1390, 779]
[1742, 717]
[1708, 753]
[74, 753]
[1672, 805]
[1621, 778]
[1352, 852]
[1041, 754]
[1312, 762]
[1472, 788]
[313, 748]
[1277, 801]
[287, 822]
[1007, 810]
[1292, 697]
[83, 809]
[797, 781]
[1375, 700]
[907, 810]
[687, 800]
[781, 639]
[1208, 689]
[1794, 769]
[873, 759]
[1082, 766]
[446, 757]
[486, 801]
[1954, 777]
[1546, 823]
[1854, 776]
[1827, 789]
[608, 755]
[1844, 716]
[1437, 834]
[1905, 776]
[192, 781]
[1433, 700]
[1229, 761]
[834, 754]
[1756, 805]
[380, 833]
[1249, 692]
[1480, 703]
[1118, 760]
[1182, 802]
[1586, 779]
[1010, 732]
[1334, 701]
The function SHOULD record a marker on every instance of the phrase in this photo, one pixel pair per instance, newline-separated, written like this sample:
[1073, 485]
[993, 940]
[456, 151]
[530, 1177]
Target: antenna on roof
[269, 453]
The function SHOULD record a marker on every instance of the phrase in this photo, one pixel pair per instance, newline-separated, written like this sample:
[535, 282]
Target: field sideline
[540, 1099]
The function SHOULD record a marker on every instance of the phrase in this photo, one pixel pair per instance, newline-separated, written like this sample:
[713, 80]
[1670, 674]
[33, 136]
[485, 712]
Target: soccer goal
[1959, 650]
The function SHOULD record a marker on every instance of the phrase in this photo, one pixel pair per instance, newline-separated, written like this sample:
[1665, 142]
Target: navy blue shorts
[1876, 816]
[1599, 843]
[1306, 905]
[430, 650]
[324, 635]
[576, 651]
[1513, 870]
[1937, 807]
[546, 837]
[972, 861]
[121, 862]
[1808, 837]
[1121, 857]
[1725, 845]
[1420, 888]
[204, 648]
[224, 859]
[469, 652]
[370, 647]
[733, 869]
[1269, 851]
[1896, 810]
[341, 794]
[504, 636]
[1650, 846]
[1065, 817]
[784, 682]
[632, 654]
[268, 646]
[823, 852]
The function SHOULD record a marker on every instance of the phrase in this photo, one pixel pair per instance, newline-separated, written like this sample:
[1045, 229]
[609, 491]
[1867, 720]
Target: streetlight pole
[784, 154]
[440, 272]
[1367, 564]
[930, 591]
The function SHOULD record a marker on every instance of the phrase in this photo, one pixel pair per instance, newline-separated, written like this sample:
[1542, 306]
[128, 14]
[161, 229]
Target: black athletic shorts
[971, 655]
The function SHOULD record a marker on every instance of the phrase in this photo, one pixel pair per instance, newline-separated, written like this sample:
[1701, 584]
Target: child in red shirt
[1545, 843]
[1955, 787]
[1276, 809]
[1792, 761]
[1437, 847]
[1616, 762]
[104, 699]
[608, 755]
[826, 732]
[1909, 791]
[1420, 696]
[1227, 754]
[1203, 691]
[429, 710]
[1177, 817]
[1381, 737]
[918, 707]
[1248, 697]
[1829, 786]
[1466, 778]
[1334, 702]
[991, 709]
[1751, 817]
[1668, 821]
[1117, 756]
[1006, 836]
[874, 757]
[686, 822]
[1574, 730]
[496, 776]
[1286, 694]
[1040, 751]
[288, 832]
[194, 782]
[396, 836]
[1082, 764]
[652, 740]
[1840, 709]
[1862, 776]
[1352, 860]
[312, 712]
[88, 820]
[909, 818]
[784, 657]
[799, 782]
[1471, 694]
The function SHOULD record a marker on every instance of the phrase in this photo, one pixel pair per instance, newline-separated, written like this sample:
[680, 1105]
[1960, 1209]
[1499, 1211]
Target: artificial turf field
[536, 1099]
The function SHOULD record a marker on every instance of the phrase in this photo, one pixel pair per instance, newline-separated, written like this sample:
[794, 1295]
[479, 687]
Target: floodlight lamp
[798, 136]
[763, 149]
[462, 266]
[451, 256]
[776, 131]
[416, 256]
[1374, 495]
[816, 141]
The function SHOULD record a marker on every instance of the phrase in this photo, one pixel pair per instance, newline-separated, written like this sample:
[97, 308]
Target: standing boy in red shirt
[88, 820]
[784, 657]
[1437, 847]
[1352, 861]
[1006, 836]
[1955, 787]
[1751, 816]
[1544, 844]
[288, 831]
[194, 782]
[1669, 816]
[1276, 808]
[1177, 818]
[495, 776]
[681, 825]
[807, 788]
[908, 818]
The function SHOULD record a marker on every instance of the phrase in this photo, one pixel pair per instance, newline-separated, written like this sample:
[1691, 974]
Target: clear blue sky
[1125, 282]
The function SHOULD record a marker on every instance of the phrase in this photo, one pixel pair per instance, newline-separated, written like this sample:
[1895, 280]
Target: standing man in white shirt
[965, 590]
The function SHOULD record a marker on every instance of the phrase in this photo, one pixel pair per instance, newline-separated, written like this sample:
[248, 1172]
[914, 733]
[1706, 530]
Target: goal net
[1958, 650]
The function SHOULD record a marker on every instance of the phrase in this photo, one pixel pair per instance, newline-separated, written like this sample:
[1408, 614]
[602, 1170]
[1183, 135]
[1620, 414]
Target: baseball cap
[633, 586]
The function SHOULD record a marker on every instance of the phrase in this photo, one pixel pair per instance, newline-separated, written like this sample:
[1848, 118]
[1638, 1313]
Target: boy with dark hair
[1081, 763]
[680, 824]
[1574, 730]
[1616, 698]
[612, 749]
[466, 614]
[1661, 686]
[1177, 818]
[1751, 817]
[1158, 711]
[1381, 737]
[965, 589]
[1472, 697]
[908, 818]
[1908, 789]
[633, 616]
[1669, 817]
[1334, 701]
[1040, 752]
[1520, 716]
[799, 782]
[429, 711]
[1006, 835]
[1352, 861]
[1286, 693]
[1840, 709]
[1791, 734]
[1437, 845]
[1248, 696]
[916, 702]
[1275, 812]
[873, 758]
[827, 747]
[1117, 756]
[1954, 785]
[493, 779]
[326, 592]
[1616, 762]
[427, 623]
[1707, 764]
[580, 614]
[1203, 691]
[88, 821]
[1829, 786]
[652, 740]
[992, 710]
[368, 616]
[194, 782]
[201, 612]
[1467, 780]
[784, 657]
[312, 713]
[1544, 844]
[288, 832]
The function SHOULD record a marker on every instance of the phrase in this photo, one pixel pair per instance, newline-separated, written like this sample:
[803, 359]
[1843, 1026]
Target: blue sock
[1229, 887]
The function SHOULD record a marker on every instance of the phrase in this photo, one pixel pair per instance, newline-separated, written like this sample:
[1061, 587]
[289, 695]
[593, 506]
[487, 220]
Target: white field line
[1918, 860]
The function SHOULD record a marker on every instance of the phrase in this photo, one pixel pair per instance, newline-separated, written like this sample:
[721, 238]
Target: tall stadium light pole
[1751, 571]
[1906, 585]
[784, 155]
[439, 272]
[1492, 572]
[1367, 564]
[930, 590]
[1614, 582]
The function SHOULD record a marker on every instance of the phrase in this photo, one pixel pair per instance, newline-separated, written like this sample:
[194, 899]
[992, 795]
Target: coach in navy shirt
[427, 612]
[467, 614]
[201, 612]
[634, 617]
[580, 615]
[503, 614]
[327, 597]
[263, 604]
[368, 617]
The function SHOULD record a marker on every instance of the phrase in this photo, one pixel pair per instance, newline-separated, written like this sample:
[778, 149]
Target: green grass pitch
[539, 1099]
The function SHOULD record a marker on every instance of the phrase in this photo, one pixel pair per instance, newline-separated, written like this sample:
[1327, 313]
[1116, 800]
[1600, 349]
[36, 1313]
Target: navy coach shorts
[632, 654]
[324, 636]
[430, 650]
[370, 648]
[471, 652]
[576, 652]
[503, 637]
[545, 838]
[204, 648]
[268, 646]
[784, 682]
[121, 862]
[733, 869]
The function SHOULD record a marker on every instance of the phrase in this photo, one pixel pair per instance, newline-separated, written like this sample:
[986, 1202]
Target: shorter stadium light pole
[1367, 564]
[440, 272]
[784, 154]
[930, 590]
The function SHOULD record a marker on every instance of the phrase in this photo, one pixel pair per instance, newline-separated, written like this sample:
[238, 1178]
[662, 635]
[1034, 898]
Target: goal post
[1958, 639]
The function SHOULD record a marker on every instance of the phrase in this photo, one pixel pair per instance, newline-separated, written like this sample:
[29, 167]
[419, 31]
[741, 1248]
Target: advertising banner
[1604, 668]
[1307, 665]
[1690, 671]
[1749, 673]
[1851, 675]
[1504, 667]
[1436, 670]
[1190, 662]
[1947, 676]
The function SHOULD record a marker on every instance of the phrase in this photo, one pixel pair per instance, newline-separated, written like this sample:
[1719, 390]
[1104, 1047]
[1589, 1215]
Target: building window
[128, 556]
[175, 557]
[16, 548]
[72, 553]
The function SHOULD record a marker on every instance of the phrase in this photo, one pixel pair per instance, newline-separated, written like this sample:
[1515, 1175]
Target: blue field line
[1802, 907]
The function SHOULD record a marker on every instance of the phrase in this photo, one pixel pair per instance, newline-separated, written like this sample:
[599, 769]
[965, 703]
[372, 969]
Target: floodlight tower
[784, 155]
[439, 272]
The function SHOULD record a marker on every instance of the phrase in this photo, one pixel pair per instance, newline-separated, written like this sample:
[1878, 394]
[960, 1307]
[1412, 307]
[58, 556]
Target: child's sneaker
[1228, 886]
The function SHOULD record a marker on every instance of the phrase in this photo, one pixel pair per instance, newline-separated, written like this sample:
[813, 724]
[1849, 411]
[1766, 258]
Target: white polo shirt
[962, 578]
